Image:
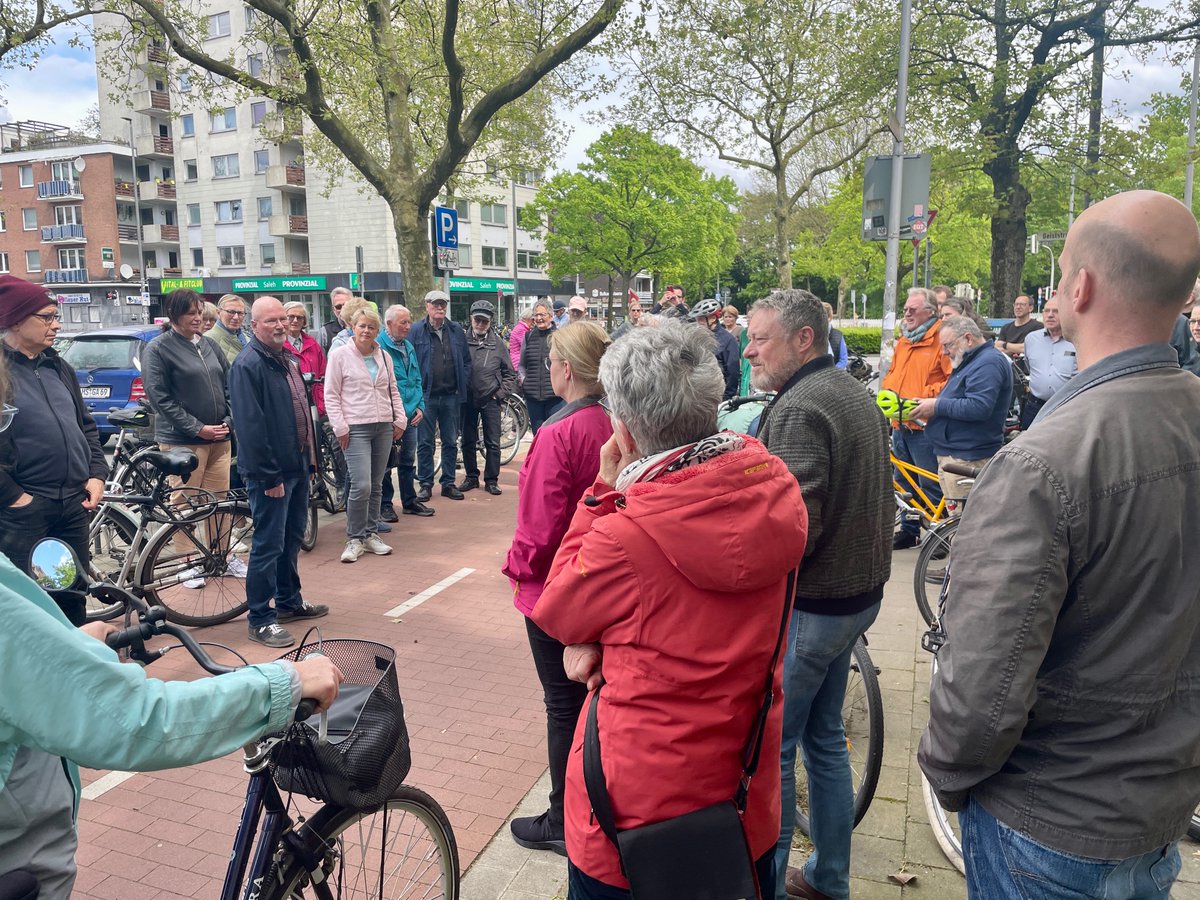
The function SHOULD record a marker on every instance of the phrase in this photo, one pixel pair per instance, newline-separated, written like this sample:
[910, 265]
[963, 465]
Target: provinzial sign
[489, 285]
[291, 283]
[166, 285]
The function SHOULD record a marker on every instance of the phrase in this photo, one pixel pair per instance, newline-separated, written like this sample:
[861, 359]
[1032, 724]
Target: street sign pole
[888, 337]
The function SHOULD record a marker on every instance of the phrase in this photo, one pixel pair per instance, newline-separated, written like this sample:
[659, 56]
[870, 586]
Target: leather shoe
[905, 540]
[387, 513]
[797, 887]
[416, 508]
[425, 494]
[449, 490]
[492, 488]
[468, 484]
[536, 833]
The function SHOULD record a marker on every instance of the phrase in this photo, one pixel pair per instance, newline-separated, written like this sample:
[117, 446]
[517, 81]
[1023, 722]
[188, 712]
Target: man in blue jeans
[275, 452]
[835, 441]
[445, 363]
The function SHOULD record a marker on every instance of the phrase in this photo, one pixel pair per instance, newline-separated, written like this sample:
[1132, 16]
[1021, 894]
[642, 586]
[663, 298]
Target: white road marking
[104, 784]
[417, 599]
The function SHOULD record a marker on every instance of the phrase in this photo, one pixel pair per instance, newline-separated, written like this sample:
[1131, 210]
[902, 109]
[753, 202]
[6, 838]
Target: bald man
[1064, 719]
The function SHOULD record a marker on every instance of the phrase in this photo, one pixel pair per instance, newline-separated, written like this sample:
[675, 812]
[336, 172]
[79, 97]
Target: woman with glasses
[562, 463]
[306, 349]
[51, 466]
[534, 369]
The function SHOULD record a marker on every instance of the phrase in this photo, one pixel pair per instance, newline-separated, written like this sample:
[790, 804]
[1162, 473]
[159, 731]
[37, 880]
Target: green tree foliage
[636, 205]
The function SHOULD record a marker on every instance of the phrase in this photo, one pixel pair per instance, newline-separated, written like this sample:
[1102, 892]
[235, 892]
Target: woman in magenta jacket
[562, 463]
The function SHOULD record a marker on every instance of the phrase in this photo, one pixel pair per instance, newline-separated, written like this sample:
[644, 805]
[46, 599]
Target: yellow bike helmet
[889, 404]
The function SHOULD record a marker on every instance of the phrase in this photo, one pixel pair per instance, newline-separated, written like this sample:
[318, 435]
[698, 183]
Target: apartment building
[257, 219]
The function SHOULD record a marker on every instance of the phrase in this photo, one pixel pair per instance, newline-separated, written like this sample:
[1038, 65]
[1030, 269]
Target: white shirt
[1051, 363]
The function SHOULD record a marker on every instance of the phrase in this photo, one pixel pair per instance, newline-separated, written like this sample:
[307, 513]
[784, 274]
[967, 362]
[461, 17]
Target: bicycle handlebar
[734, 402]
[153, 623]
[963, 470]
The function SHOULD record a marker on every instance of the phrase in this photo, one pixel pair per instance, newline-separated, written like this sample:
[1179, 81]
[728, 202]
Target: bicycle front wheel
[310, 530]
[191, 570]
[930, 571]
[513, 425]
[111, 537]
[405, 848]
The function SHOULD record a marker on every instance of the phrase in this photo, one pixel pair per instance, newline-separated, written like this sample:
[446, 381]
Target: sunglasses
[6, 416]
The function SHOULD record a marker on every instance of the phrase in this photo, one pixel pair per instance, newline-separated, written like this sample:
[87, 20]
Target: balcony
[66, 276]
[59, 189]
[127, 234]
[293, 268]
[288, 226]
[286, 178]
[155, 271]
[149, 191]
[124, 189]
[157, 54]
[160, 234]
[154, 145]
[150, 101]
[63, 234]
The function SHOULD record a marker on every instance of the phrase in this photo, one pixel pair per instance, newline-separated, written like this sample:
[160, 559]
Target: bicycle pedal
[933, 640]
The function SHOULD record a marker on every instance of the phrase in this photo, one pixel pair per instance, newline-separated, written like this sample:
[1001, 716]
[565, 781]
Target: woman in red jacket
[674, 571]
[562, 463]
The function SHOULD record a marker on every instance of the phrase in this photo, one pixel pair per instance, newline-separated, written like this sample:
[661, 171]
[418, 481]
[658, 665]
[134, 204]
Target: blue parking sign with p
[445, 219]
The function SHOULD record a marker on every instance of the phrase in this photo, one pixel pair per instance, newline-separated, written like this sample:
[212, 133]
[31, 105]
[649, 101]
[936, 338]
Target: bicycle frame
[261, 796]
[913, 497]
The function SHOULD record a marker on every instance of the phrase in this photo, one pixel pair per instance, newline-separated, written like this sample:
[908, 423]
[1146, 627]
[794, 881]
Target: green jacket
[229, 342]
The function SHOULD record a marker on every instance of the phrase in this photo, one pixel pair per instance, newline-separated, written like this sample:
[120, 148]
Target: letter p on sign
[446, 226]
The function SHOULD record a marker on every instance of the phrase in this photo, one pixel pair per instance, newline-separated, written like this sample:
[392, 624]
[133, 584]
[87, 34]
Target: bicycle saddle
[179, 461]
[138, 417]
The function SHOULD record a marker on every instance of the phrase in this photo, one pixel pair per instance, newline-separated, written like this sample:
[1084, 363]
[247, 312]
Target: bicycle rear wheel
[862, 717]
[189, 568]
[1194, 826]
[310, 530]
[111, 536]
[930, 570]
[405, 848]
[513, 424]
[333, 467]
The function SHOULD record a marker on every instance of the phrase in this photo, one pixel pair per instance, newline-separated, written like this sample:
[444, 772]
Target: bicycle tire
[420, 824]
[930, 573]
[513, 425]
[1194, 825]
[863, 697]
[310, 530]
[163, 568]
[135, 476]
[111, 534]
[333, 467]
[943, 827]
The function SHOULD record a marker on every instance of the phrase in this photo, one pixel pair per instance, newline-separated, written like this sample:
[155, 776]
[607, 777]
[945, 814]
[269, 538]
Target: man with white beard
[965, 422]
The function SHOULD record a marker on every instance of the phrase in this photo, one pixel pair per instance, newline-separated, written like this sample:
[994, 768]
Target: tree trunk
[412, 235]
[1009, 225]
[1095, 111]
[783, 252]
[609, 316]
[843, 284]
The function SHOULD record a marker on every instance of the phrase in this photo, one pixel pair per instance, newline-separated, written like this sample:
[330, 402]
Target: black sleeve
[97, 464]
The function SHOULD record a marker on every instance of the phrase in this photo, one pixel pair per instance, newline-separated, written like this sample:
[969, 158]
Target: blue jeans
[913, 447]
[541, 410]
[581, 886]
[1002, 862]
[279, 524]
[404, 472]
[442, 413]
[816, 668]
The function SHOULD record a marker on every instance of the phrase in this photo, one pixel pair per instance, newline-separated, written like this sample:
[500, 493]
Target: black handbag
[702, 855]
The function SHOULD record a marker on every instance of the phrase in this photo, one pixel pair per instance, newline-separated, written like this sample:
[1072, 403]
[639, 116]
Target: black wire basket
[366, 756]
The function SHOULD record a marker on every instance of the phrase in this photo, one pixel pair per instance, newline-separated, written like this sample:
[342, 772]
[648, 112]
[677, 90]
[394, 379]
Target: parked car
[63, 339]
[108, 365]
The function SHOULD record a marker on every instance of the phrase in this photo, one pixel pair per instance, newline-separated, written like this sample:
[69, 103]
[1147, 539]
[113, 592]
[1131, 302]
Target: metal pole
[1191, 163]
[1050, 250]
[137, 216]
[916, 261]
[928, 252]
[893, 240]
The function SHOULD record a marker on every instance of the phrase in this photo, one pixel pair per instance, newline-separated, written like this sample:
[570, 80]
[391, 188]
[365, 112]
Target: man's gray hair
[796, 309]
[926, 296]
[961, 326]
[664, 383]
[393, 312]
[338, 291]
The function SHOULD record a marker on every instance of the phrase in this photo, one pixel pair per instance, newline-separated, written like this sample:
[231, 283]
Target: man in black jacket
[492, 379]
[275, 437]
[52, 469]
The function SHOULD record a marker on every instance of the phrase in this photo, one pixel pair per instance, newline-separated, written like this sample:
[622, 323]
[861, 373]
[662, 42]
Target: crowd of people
[657, 560]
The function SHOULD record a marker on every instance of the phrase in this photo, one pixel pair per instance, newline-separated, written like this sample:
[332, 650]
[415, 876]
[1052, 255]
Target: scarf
[650, 467]
[920, 331]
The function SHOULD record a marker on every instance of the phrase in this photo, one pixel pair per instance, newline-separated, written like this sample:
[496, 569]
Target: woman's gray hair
[962, 325]
[664, 383]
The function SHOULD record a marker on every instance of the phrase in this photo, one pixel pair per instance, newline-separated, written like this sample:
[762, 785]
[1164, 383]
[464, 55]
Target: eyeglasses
[234, 313]
[292, 318]
[604, 404]
[48, 318]
[6, 416]
[549, 360]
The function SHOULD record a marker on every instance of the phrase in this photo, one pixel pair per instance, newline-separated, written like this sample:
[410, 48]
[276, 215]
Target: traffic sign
[106, 258]
[1051, 237]
[918, 227]
[445, 226]
[447, 259]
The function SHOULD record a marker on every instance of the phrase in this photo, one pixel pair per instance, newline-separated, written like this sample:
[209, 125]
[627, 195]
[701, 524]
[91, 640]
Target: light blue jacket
[66, 693]
[408, 373]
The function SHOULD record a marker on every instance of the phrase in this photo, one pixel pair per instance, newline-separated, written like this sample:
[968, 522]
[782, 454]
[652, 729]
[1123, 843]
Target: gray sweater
[833, 438]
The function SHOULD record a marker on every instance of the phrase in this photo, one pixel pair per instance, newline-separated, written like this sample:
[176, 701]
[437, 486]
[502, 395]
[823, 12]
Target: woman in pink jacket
[562, 463]
[367, 415]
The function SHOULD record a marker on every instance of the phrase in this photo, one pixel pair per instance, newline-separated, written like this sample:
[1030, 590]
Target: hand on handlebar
[319, 680]
[98, 630]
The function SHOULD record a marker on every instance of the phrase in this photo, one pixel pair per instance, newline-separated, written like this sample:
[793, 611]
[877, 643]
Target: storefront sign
[291, 283]
[485, 285]
[74, 298]
[166, 285]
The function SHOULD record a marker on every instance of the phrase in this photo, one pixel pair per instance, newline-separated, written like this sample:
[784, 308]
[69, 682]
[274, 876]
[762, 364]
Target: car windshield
[90, 354]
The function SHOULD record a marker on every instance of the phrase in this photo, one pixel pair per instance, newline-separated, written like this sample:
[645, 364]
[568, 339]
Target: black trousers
[1029, 410]
[471, 414]
[564, 699]
[22, 527]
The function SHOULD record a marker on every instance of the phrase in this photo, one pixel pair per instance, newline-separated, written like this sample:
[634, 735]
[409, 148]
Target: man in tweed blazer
[832, 437]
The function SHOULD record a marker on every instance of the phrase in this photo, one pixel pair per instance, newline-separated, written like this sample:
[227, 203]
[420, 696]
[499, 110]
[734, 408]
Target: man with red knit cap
[51, 466]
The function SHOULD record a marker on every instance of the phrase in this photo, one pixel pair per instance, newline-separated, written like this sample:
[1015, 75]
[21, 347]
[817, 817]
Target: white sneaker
[354, 549]
[235, 567]
[239, 547]
[192, 578]
[375, 545]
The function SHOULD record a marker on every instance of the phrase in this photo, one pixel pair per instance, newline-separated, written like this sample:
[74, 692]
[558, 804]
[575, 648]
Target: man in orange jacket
[919, 369]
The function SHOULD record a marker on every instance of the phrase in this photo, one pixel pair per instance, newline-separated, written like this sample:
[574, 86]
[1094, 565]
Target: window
[191, 171]
[262, 159]
[297, 206]
[258, 112]
[254, 63]
[185, 86]
[464, 256]
[197, 256]
[529, 177]
[218, 25]
[68, 215]
[268, 253]
[63, 171]
[232, 256]
[251, 14]
[193, 213]
[187, 124]
[225, 119]
[3, 262]
[226, 166]
[463, 208]
[71, 258]
[3, 221]
[229, 211]
[529, 259]
[29, 219]
[495, 257]
[493, 213]
[26, 175]
[264, 208]
[33, 261]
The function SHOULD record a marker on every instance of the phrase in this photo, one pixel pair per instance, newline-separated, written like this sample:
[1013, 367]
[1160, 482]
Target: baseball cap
[438, 297]
[560, 304]
[578, 303]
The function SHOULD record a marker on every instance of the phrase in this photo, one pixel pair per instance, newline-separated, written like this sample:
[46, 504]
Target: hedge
[863, 340]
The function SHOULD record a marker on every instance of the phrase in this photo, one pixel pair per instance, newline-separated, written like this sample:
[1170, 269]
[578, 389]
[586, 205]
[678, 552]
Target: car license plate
[96, 392]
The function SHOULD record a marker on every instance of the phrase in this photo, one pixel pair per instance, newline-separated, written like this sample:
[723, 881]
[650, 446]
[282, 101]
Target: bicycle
[912, 502]
[404, 844]
[128, 472]
[328, 469]
[514, 423]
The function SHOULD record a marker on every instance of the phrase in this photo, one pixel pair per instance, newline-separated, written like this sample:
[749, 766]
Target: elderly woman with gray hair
[669, 589]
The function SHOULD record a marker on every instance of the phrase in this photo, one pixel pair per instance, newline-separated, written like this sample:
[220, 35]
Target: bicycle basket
[367, 753]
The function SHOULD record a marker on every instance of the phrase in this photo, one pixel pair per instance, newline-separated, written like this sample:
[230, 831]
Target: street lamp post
[137, 218]
[1191, 160]
[893, 238]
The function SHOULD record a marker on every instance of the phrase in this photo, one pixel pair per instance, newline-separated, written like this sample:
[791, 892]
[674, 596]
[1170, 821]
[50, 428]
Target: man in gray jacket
[492, 379]
[1064, 719]
[833, 438]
